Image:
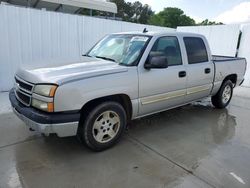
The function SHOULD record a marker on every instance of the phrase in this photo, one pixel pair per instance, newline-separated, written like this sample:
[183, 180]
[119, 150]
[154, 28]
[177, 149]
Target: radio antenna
[145, 30]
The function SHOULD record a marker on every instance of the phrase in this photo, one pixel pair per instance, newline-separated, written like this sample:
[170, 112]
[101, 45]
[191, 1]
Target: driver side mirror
[156, 62]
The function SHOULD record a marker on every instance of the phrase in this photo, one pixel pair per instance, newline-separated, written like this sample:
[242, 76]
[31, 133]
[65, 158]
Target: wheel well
[232, 77]
[123, 99]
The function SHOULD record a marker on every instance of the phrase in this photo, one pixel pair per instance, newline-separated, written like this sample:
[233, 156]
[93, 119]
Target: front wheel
[224, 95]
[103, 126]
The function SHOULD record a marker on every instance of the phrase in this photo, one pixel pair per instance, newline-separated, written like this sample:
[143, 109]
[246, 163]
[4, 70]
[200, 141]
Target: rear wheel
[103, 126]
[224, 95]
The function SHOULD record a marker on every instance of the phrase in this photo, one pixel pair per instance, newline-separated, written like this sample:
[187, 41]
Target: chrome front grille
[25, 86]
[23, 91]
[22, 97]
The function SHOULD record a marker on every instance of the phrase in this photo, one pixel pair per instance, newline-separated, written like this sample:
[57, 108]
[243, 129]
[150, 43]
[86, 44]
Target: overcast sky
[226, 11]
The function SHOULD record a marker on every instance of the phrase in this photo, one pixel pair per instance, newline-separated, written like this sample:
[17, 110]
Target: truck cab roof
[160, 33]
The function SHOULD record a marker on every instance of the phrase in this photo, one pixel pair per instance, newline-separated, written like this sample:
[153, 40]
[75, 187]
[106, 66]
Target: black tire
[217, 100]
[87, 131]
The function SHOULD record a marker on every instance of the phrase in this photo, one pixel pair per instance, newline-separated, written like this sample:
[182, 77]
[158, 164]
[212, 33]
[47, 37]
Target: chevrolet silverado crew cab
[123, 77]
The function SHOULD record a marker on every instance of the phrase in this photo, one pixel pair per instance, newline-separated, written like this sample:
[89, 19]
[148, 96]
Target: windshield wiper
[105, 58]
[123, 64]
[87, 55]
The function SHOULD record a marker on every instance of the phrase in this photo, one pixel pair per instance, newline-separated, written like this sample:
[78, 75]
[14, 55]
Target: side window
[168, 46]
[196, 50]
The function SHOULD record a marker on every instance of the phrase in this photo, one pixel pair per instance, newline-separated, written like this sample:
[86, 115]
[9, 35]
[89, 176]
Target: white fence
[223, 40]
[31, 36]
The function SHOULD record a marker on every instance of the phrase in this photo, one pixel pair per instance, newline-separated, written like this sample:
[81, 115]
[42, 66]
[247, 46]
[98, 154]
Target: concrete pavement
[191, 146]
[5, 104]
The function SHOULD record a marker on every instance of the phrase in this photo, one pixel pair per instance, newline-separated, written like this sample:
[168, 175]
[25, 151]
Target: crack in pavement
[19, 142]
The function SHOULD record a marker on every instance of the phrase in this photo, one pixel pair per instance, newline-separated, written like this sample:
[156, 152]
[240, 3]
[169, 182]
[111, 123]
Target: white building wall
[31, 36]
[244, 51]
[222, 38]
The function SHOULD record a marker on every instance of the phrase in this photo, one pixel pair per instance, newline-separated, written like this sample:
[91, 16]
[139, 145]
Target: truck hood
[60, 73]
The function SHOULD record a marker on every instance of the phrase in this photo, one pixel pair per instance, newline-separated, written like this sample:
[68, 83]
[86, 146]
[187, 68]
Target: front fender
[74, 95]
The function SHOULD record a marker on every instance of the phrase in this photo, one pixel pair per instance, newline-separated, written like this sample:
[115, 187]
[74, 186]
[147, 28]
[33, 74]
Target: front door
[160, 89]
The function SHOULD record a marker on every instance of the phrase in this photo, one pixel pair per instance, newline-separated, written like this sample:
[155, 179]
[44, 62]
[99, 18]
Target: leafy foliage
[138, 13]
[133, 12]
[207, 22]
[124, 9]
[171, 17]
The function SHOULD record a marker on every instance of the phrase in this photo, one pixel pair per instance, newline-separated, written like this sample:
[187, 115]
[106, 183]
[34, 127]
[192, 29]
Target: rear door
[200, 69]
[160, 89]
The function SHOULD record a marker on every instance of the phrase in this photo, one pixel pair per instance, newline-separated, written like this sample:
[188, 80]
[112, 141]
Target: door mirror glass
[156, 62]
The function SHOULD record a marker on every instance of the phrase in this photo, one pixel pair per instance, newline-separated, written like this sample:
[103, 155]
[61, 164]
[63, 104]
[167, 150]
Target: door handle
[207, 70]
[182, 74]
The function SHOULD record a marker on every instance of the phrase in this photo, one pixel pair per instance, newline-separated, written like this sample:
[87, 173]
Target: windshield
[123, 49]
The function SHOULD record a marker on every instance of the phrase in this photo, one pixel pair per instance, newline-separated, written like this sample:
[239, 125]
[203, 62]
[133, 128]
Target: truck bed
[219, 58]
[226, 65]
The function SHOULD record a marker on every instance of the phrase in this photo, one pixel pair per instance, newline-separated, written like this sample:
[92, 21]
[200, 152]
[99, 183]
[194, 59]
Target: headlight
[42, 98]
[45, 106]
[45, 90]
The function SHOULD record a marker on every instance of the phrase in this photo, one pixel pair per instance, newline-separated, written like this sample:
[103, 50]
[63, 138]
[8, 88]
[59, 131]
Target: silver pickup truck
[123, 77]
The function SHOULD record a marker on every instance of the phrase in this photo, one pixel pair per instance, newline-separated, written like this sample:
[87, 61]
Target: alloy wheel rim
[106, 126]
[226, 95]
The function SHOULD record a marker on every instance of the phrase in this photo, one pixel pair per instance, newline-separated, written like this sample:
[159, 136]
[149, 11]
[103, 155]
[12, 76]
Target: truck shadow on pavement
[213, 126]
[216, 126]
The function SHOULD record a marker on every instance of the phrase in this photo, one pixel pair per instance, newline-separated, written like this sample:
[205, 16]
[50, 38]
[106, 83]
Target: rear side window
[196, 50]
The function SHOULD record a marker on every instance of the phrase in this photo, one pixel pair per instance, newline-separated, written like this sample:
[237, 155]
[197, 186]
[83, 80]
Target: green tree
[171, 17]
[124, 9]
[133, 12]
[207, 22]
[141, 13]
